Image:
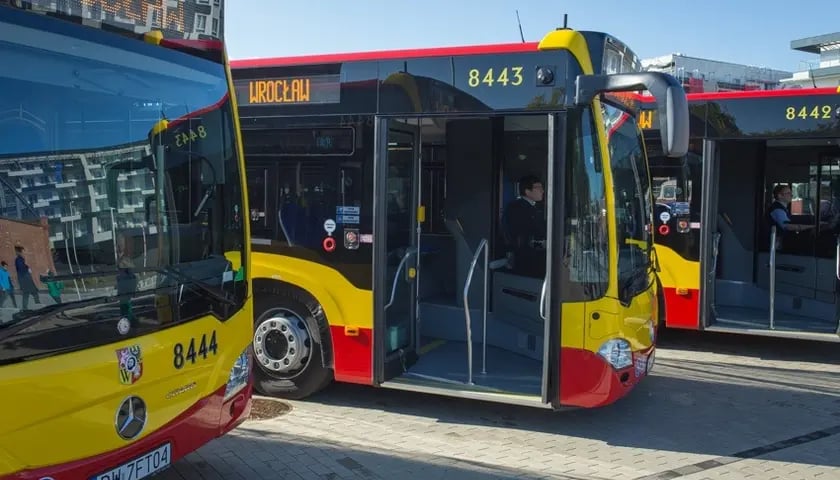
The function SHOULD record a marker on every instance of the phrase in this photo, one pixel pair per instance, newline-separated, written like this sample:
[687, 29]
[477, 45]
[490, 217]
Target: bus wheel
[287, 355]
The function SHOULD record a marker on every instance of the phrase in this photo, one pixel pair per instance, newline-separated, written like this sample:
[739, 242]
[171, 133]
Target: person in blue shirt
[6, 285]
[778, 214]
[778, 210]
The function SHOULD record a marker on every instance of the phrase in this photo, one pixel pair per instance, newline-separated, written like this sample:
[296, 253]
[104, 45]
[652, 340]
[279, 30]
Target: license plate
[141, 467]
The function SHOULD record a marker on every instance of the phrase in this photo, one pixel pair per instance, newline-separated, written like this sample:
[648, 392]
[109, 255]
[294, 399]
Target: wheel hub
[282, 343]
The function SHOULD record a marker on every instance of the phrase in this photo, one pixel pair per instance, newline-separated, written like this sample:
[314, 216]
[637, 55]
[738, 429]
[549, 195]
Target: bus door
[709, 234]
[827, 247]
[259, 178]
[753, 280]
[551, 300]
[396, 244]
[804, 290]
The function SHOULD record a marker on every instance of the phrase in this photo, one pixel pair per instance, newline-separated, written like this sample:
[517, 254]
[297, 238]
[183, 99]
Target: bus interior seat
[516, 300]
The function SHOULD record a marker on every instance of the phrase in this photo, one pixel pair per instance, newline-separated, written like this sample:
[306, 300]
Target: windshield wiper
[23, 320]
[187, 279]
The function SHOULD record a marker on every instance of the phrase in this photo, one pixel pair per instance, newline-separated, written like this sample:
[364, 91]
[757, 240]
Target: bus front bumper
[587, 380]
[207, 419]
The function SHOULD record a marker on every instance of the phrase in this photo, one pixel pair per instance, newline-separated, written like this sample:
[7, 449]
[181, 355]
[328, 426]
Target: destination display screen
[300, 141]
[313, 89]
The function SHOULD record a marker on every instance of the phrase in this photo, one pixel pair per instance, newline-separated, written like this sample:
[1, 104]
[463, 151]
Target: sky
[752, 32]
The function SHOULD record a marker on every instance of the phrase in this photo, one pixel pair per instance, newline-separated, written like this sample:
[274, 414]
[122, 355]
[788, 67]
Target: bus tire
[288, 358]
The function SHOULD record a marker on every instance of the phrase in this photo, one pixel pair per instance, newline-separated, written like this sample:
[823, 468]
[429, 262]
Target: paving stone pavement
[716, 407]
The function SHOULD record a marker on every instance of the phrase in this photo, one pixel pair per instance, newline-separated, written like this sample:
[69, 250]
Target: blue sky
[753, 32]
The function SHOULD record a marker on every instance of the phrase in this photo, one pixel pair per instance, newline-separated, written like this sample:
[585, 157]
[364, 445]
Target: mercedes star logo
[131, 417]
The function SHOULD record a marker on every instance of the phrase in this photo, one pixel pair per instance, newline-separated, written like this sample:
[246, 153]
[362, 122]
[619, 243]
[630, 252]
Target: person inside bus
[525, 230]
[830, 205]
[778, 214]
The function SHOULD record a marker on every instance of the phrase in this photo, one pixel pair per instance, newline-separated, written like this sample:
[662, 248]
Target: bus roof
[372, 55]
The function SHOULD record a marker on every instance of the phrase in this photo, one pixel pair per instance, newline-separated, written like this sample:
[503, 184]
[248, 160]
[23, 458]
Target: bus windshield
[118, 180]
[632, 190]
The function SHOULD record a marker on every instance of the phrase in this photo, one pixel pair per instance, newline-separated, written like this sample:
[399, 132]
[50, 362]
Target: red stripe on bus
[706, 96]
[681, 311]
[588, 381]
[499, 48]
[353, 355]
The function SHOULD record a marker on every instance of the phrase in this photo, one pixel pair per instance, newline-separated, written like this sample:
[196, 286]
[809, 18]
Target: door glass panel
[258, 202]
[586, 239]
[829, 206]
[400, 256]
[791, 197]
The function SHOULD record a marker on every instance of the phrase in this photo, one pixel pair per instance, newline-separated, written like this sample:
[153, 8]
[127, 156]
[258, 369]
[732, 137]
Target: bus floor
[505, 372]
[759, 318]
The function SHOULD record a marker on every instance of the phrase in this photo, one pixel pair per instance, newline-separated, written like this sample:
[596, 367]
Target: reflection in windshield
[116, 158]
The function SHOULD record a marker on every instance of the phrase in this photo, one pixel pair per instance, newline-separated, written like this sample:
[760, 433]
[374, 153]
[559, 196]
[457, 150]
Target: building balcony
[25, 172]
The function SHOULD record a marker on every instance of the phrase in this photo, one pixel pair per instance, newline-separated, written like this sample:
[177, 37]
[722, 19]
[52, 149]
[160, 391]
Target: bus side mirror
[671, 102]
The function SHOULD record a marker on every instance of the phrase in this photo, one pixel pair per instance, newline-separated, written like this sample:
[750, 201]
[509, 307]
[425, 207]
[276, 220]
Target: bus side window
[587, 243]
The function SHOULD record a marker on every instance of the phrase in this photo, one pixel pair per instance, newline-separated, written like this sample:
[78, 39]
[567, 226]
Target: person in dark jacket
[778, 215]
[524, 228]
[25, 281]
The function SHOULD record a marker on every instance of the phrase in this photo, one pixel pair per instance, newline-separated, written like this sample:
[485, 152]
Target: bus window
[632, 192]
[586, 221]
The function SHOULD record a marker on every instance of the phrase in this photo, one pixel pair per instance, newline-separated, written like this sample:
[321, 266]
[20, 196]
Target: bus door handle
[837, 259]
[408, 253]
[715, 251]
[542, 300]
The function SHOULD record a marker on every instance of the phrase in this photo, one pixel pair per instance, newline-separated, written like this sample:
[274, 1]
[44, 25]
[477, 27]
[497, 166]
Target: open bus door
[758, 279]
[709, 235]
[397, 212]
[551, 301]
[398, 342]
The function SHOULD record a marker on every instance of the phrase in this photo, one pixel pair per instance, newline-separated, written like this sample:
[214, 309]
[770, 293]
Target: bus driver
[524, 227]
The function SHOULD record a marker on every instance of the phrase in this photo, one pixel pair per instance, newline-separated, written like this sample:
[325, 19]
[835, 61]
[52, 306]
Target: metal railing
[467, 283]
[408, 253]
[715, 251]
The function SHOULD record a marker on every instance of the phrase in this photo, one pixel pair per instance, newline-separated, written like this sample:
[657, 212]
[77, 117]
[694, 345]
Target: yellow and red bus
[715, 239]
[384, 253]
[125, 312]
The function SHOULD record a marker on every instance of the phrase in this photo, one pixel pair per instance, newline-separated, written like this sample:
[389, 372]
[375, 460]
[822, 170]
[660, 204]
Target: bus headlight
[238, 378]
[617, 353]
[652, 331]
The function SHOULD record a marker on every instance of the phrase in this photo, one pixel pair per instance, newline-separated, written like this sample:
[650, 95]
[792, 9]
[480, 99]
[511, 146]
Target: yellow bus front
[609, 315]
[609, 321]
[125, 317]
